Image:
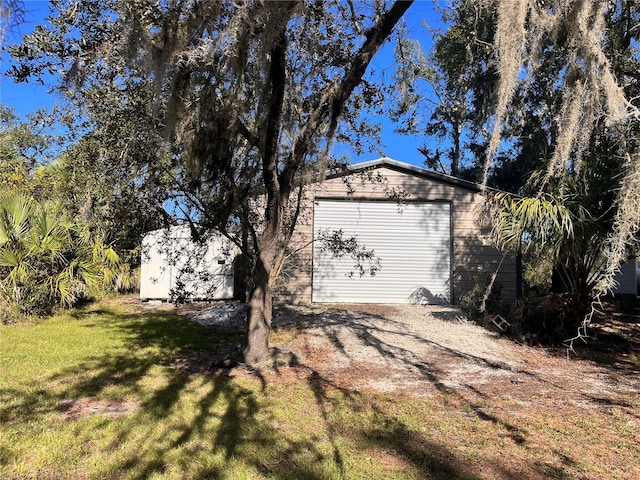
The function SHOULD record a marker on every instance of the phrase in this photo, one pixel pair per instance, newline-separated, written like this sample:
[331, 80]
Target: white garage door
[412, 242]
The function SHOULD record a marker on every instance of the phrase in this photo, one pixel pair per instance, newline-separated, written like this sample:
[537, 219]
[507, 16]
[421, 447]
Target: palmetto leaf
[15, 211]
[9, 258]
[61, 287]
[44, 224]
[110, 256]
[4, 232]
[17, 275]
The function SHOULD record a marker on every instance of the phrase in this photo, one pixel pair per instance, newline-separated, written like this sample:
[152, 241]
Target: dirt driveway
[419, 350]
[517, 411]
[423, 349]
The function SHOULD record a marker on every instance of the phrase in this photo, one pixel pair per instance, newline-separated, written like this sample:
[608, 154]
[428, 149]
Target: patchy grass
[116, 391]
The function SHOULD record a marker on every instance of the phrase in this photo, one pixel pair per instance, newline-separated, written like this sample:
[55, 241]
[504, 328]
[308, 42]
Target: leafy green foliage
[569, 93]
[446, 95]
[204, 104]
[567, 223]
[46, 261]
[20, 150]
[114, 197]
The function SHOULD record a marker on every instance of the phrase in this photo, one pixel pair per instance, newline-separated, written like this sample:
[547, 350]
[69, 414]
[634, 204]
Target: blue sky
[25, 98]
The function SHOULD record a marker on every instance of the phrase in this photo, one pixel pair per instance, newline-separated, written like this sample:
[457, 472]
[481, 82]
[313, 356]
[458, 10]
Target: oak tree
[233, 101]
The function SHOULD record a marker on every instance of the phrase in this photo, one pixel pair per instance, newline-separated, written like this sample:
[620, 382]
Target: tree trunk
[455, 160]
[256, 350]
[278, 183]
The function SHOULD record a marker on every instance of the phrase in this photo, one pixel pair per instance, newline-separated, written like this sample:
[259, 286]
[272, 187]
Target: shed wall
[474, 258]
[171, 260]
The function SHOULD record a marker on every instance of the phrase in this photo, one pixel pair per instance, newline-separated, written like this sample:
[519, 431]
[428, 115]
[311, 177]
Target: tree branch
[335, 96]
[280, 260]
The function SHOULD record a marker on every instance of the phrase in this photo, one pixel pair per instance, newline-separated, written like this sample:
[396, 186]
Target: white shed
[173, 263]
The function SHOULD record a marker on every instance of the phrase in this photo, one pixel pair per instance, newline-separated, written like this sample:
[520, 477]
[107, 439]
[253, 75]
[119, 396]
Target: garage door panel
[412, 243]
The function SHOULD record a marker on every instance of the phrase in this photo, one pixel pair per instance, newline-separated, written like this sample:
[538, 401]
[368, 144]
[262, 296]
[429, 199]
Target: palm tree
[569, 221]
[47, 261]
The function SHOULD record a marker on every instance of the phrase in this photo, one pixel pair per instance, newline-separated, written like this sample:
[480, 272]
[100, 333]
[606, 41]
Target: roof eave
[413, 170]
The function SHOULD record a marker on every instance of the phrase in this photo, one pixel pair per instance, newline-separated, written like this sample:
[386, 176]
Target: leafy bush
[47, 261]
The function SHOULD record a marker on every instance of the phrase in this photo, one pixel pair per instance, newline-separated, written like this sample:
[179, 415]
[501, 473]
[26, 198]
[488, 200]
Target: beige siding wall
[474, 259]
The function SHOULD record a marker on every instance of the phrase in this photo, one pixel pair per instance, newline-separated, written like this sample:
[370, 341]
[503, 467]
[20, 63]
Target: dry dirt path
[423, 349]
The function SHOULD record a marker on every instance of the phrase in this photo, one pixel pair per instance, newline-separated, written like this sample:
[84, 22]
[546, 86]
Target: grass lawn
[104, 392]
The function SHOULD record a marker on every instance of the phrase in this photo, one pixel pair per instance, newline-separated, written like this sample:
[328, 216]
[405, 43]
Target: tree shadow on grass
[196, 420]
[195, 410]
[427, 458]
[199, 421]
[148, 340]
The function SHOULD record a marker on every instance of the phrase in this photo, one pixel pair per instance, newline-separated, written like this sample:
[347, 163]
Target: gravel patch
[223, 315]
[401, 347]
[421, 350]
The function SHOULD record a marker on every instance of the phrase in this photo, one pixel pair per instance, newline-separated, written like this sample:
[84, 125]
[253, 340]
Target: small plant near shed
[484, 300]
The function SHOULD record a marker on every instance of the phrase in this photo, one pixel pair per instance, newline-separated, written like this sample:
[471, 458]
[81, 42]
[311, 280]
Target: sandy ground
[423, 349]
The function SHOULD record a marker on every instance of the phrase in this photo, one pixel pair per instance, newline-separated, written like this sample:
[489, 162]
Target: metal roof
[413, 170]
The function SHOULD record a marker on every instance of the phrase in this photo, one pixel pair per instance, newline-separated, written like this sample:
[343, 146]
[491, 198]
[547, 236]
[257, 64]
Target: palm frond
[543, 219]
[9, 257]
[16, 212]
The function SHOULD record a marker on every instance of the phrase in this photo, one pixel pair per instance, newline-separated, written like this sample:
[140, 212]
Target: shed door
[412, 243]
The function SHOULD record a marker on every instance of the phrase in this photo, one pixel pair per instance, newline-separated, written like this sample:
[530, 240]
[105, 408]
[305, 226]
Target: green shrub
[47, 261]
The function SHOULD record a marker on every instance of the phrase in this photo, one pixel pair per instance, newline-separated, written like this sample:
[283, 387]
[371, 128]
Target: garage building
[423, 227]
